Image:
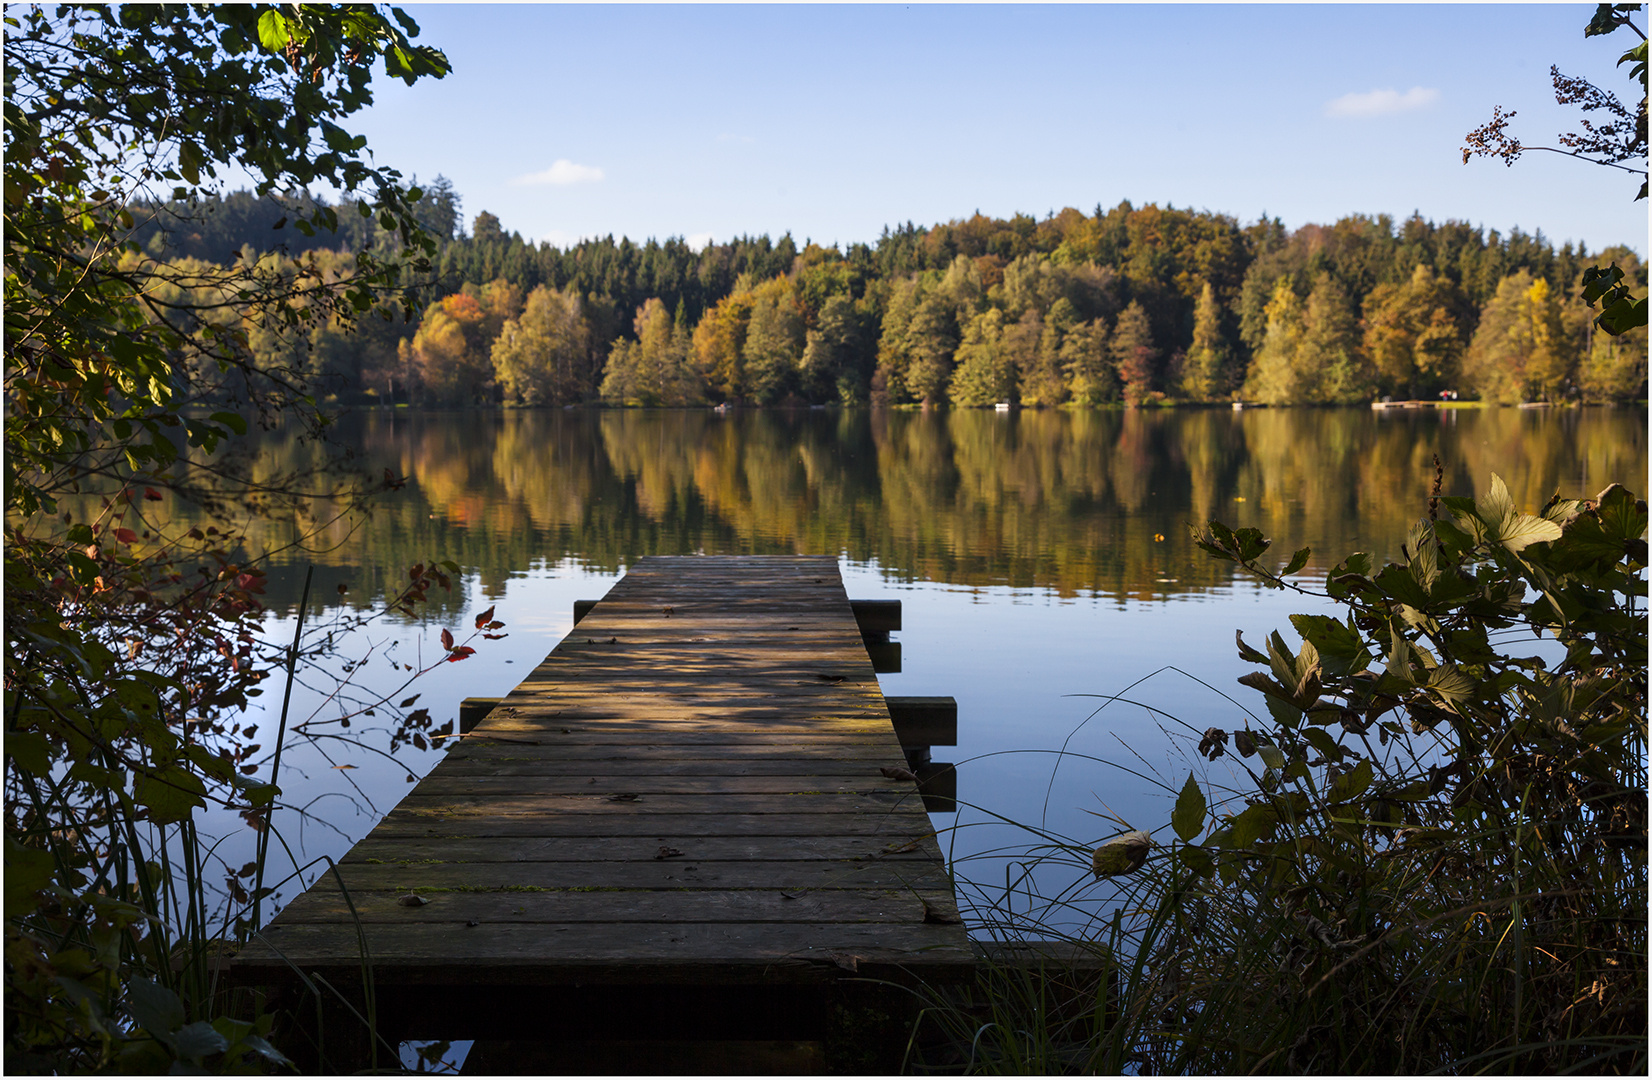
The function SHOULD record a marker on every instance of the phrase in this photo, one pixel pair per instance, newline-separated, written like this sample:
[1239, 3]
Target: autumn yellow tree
[1520, 350]
[1413, 334]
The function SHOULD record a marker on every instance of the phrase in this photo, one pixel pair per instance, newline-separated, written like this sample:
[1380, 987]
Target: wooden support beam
[885, 655]
[924, 721]
[877, 616]
[473, 709]
[938, 784]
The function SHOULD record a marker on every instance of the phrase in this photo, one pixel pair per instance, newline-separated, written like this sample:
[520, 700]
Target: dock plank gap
[694, 820]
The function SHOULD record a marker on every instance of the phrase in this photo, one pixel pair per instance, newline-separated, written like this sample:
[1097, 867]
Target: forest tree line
[1128, 305]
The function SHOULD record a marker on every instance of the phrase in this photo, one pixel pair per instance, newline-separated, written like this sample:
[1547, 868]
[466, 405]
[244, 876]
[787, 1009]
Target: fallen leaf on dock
[412, 900]
[829, 678]
[472, 923]
[895, 772]
[667, 853]
[847, 961]
[667, 611]
[628, 796]
[791, 896]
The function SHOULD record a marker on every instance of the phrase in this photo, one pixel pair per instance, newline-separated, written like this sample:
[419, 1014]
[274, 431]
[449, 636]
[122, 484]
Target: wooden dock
[677, 831]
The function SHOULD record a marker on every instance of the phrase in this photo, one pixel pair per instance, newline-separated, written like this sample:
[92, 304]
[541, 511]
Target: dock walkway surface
[678, 827]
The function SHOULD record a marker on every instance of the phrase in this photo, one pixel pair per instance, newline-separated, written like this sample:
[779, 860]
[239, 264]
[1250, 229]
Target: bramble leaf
[1188, 818]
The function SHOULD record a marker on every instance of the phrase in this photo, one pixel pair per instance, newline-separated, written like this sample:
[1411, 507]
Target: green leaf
[1251, 544]
[1449, 682]
[1246, 652]
[1271, 756]
[1496, 506]
[1252, 824]
[262, 794]
[1341, 650]
[195, 1041]
[1188, 818]
[1622, 516]
[155, 1007]
[1425, 560]
[230, 420]
[1351, 784]
[273, 32]
[1287, 715]
[262, 1047]
[171, 794]
[1198, 860]
[30, 751]
[1298, 561]
[189, 161]
[28, 870]
[1523, 530]
[1321, 740]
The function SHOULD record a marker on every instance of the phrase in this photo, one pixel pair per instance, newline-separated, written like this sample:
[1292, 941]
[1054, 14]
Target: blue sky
[833, 121]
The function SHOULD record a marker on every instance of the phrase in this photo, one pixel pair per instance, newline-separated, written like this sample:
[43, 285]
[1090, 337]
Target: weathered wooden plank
[481, 823]
[612, 804]
[624, 950]
[611, 759]
[868, 781]
[639, 906]
[401, 851]
[461, 878]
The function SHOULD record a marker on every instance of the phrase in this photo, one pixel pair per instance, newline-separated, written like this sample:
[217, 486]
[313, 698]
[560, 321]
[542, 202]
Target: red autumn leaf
[151, 494]
[447, 640]
[461, 652]
[483, 619]
[126, 536]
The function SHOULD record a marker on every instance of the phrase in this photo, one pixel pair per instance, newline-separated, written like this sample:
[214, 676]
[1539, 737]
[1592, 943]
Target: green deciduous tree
[1087, 365]
[838, 357]
[774, 342]
[1331, 357]
[985, 373]
[653, 370]
[544, 358]
[931, 341]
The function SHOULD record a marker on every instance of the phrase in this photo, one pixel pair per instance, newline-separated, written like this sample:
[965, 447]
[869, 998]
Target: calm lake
[1042, 558]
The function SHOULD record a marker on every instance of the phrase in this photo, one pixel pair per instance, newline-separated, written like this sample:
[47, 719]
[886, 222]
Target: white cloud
[562, 173]
[1381, 102]
[698, 241]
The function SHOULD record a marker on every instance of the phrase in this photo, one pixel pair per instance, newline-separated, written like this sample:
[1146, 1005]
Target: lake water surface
[1042, 559]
